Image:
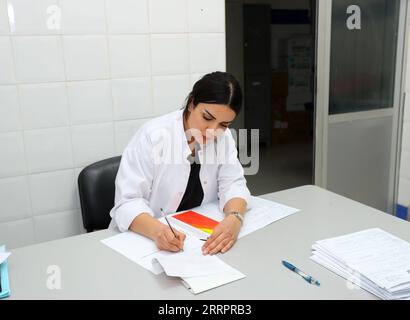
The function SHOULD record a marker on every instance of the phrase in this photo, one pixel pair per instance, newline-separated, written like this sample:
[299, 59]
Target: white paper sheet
[131, 245]
[190, 263]
[203, 283]
[142, 250]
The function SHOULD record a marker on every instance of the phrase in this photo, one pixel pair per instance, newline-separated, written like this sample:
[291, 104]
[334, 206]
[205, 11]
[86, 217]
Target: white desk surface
[90, 270]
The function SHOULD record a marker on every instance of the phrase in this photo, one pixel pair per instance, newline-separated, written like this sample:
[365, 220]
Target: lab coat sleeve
[133, 183]
[231, 180]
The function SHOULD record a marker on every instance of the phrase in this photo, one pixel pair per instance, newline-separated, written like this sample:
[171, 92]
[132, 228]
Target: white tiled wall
[77, 79]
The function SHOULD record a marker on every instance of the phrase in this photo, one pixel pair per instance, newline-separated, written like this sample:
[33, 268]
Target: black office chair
[96, 186]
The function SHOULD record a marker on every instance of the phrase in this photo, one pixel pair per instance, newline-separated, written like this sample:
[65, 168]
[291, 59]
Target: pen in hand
[308, 278]
[163, 214]
[166, 219]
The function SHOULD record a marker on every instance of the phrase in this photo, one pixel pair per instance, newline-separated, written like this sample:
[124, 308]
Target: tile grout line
[22, 135]
[108, 46]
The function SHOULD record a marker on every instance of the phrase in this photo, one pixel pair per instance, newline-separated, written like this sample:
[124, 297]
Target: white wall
[234, 49]
[74, 95]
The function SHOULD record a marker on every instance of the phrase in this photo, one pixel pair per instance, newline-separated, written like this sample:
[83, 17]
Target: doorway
[270, 49]
[360, 47]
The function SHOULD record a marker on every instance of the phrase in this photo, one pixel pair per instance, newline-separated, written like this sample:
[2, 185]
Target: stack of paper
[372, 259]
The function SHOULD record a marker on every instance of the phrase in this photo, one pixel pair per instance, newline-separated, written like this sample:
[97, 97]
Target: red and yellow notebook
[197, 220]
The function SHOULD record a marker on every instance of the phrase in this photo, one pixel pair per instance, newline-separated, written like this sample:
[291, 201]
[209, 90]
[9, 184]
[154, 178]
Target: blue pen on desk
[308, 278]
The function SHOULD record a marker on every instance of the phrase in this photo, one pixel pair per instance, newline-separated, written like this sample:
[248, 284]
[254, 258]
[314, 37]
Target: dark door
[257, 70]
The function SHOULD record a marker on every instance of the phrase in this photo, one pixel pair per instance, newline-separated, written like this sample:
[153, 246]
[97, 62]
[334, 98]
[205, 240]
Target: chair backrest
[96, 186]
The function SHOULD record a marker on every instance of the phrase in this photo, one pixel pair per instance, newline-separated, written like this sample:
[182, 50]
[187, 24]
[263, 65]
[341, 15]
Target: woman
[182, 159]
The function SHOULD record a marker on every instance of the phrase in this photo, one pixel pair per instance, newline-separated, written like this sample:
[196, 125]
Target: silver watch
[238, 216]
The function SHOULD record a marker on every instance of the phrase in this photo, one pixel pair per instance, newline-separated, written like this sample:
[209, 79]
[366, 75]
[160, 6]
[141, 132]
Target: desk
[90, 270]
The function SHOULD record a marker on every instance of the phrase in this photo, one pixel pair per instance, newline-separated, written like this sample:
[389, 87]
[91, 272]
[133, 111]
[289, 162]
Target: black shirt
[194, 194]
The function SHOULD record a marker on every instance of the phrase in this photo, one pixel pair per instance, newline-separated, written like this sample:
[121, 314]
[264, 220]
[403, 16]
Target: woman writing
[183, 159]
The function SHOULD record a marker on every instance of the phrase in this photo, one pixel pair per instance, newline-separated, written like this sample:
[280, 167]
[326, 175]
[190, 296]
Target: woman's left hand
[223, 237]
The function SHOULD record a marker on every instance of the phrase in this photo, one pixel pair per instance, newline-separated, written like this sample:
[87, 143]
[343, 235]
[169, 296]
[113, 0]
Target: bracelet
[238, 216]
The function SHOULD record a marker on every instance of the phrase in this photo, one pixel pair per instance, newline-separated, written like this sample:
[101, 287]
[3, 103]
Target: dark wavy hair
[216, 87]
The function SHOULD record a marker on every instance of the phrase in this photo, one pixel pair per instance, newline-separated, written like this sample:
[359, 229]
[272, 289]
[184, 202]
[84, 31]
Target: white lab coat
[154, 171]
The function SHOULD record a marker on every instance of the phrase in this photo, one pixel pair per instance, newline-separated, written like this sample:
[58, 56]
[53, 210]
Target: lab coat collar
[186, 150]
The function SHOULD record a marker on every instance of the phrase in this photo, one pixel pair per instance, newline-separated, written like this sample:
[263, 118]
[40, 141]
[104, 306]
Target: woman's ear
[191, 107]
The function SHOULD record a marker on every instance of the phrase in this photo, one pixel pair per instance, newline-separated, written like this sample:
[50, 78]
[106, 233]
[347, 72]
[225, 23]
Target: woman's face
[208, 120]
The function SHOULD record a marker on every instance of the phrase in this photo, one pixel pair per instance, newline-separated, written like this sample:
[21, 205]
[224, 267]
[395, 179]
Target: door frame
[322, 118]
[403, 96]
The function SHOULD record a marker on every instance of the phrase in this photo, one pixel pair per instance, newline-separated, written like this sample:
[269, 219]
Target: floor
[282, 166]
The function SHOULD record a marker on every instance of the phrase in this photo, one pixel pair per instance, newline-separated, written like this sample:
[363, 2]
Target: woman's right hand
[165, 239]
